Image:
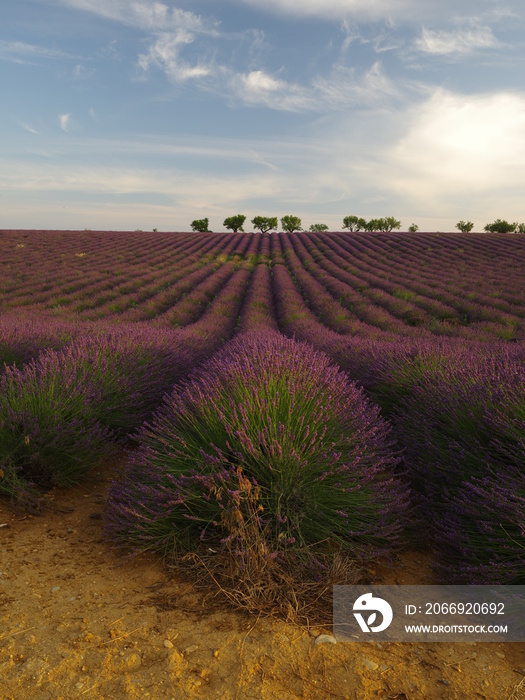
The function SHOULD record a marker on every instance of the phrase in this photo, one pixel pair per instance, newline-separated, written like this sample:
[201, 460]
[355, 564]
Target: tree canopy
[200, 225]
[501, 226]
[291, 223]
[264, 223]
[464, 226]
[354, 223]
[234, 223]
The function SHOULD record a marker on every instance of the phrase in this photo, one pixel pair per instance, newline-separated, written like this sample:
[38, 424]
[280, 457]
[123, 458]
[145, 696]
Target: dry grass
[242, 571]
[518, 693]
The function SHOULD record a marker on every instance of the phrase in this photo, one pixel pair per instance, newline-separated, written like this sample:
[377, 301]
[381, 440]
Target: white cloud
[468, 130]
[450, 156]
[332, 8]
[21, 52]
[173, 31]
[258, 81]
[65, 120]
[170, 29]
[109, 51]
[384, 10]
[343, 87]
[259, 88]
[218, 172]
[143, 14]
[164, 54]
[460, 41]
[179, 186]
[28, 128]
[209, 149]
[460, 148]
[80, 72]
[74, 196]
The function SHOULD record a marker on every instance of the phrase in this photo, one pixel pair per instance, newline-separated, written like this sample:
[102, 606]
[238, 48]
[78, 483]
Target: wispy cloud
[259, 88]
[346, 87]
[65, 121]
[342, 86]
[191, 189]
[28, 127]
[22, 52]
[464, 40]
[333, 8]
[410, 11]
[80, 72]
[170, 30]
[434, 158]
[179, 46]
[110, 51]
[144, 14]
[164, 54]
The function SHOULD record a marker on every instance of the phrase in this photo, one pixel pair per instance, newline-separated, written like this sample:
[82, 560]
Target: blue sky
[126, 114]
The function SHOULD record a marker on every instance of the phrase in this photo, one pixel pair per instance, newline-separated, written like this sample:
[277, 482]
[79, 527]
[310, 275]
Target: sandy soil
[78, 621]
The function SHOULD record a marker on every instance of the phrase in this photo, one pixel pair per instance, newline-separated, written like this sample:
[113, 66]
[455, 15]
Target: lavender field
[363, 391]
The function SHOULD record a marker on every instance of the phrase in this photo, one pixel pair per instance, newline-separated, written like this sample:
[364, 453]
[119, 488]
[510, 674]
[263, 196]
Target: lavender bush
[22, 339]
[463, 425]
[462, 416]
[49, 434]
[275, 414]
[482, 539]
[68, 409]
[132, 368]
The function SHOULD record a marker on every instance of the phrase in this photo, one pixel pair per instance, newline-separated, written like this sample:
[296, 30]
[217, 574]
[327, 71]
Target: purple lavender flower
[270, 416]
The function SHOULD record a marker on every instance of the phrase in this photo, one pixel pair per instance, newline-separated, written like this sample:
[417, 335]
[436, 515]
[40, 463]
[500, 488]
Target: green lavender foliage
[279, 413]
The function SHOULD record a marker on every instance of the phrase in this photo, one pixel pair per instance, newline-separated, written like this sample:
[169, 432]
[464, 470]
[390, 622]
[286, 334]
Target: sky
[143, 114]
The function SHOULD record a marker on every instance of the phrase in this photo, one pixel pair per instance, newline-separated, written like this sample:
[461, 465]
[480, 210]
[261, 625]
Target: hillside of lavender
[328, 391]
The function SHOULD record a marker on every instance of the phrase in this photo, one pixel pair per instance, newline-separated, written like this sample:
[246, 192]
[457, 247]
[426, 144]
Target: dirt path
[77, 621]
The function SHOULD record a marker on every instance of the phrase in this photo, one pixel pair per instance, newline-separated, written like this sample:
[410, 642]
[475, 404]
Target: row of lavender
[269, 452]
[457, 410]
[100, 284]
[455, 284]
[71, 393]
[395, 296]
[458, 413]
[456, 407]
